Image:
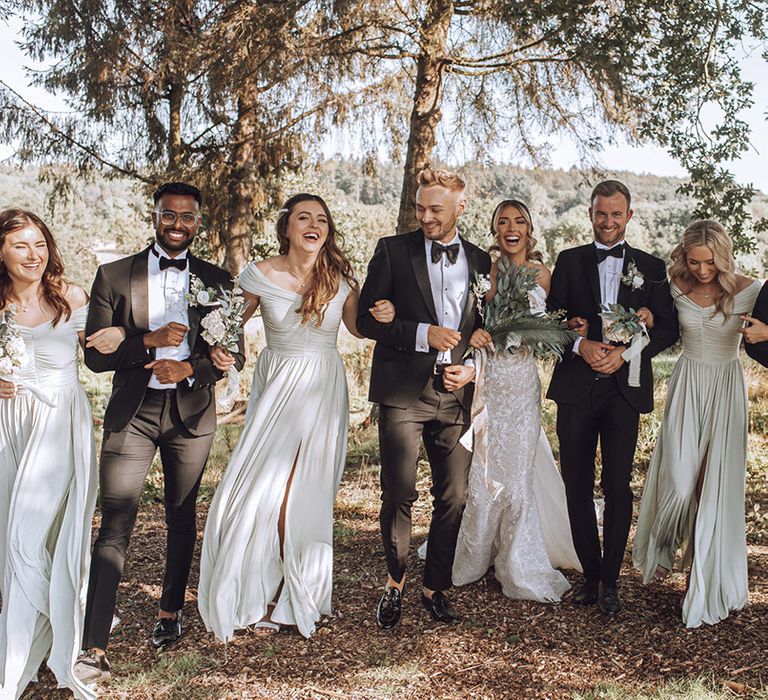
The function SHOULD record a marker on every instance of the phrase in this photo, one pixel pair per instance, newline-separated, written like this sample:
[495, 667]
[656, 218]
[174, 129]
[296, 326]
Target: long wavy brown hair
[530, 242]
[331, 264]
[709, 233]
[52, 282]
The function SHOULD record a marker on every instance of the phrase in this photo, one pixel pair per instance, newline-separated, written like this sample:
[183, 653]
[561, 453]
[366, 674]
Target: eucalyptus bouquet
[512, 322]
[222, 327]
[622, 326]
[13, 354]
[13, 351]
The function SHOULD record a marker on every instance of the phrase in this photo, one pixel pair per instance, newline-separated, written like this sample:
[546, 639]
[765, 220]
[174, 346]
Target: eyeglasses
[169, 217]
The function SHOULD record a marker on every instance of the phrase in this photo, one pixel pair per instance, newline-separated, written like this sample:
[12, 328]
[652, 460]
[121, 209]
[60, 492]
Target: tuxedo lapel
[140, 291]
[194, 312]
[624, 291]
[469, 297]
[589, 261]
[419, 264]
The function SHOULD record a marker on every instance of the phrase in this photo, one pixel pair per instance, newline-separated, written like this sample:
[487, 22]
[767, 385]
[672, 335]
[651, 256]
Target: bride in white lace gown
[267, 555]
[516, 517]
[47, 464]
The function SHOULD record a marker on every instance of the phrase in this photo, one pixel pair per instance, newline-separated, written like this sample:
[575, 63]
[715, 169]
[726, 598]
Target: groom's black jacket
[120, 297]
[759, 351]
[398, 272]
[576, 289]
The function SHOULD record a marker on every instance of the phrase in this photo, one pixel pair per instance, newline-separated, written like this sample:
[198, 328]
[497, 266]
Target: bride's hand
[645, 315]
[480, 338]
[106, 340]
[383, 311]
[222, 359]
[7, 390]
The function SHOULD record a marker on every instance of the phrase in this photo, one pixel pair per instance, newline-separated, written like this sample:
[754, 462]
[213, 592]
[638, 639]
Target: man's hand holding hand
[442, 339]
[611, 361]
[456, 376]
[168, 336]
[593, 351]
[170, 371]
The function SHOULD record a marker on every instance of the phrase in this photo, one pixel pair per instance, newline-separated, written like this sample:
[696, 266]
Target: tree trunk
[175, 98]
[427, 100]
[240, 205]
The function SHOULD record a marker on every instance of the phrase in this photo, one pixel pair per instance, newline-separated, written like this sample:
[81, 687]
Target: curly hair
[445, 178]
[530, 243]
[709, 233]
[52, 282]
[331, 264]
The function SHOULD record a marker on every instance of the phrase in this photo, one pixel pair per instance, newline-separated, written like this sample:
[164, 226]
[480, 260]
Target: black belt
[159, 392]
[603, 375]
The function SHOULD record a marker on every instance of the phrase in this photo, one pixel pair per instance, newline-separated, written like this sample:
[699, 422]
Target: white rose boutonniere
[634, 278]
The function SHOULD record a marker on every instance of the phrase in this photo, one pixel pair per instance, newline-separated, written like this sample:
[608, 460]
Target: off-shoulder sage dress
[298, 413]
[705, 423]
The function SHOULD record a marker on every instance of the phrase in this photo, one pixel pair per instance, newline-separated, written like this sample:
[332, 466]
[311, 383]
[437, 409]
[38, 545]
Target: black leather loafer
[586, 593]
[608, 600]
[167, 631]
[440, 608]
[389, 608]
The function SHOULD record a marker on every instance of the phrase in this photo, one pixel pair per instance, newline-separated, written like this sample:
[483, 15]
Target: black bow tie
[616, 252]
[451, 252]
[178, 263]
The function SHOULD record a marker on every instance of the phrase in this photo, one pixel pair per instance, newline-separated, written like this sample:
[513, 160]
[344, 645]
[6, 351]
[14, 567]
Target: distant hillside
[113, 215]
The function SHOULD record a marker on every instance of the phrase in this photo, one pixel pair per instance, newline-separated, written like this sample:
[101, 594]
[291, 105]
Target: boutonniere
[480, 287]
[634, 278]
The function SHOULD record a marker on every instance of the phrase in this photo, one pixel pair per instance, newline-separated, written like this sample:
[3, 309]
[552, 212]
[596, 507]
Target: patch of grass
[676, 689]
[169, 678]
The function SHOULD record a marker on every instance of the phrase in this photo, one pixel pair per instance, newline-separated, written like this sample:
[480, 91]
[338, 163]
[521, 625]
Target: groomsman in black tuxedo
[755, 331]
[423, 384]
[590, 385]
[162, 397]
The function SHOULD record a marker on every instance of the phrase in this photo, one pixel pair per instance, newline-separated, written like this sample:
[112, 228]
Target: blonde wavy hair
[53, 284]
[444, 178]
[709, 233]
[530, 243]
[330, 266]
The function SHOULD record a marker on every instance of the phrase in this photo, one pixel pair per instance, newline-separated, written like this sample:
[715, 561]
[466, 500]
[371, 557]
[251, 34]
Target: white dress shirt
[449, 284]
[167, 302]
[609, 274]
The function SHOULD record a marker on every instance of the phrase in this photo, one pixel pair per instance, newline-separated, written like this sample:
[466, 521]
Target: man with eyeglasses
[162, 397]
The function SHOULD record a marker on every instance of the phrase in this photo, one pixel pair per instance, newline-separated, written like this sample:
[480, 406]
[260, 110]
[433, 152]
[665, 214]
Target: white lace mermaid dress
[298, 413]
[705, 421]
[516, 518]
[48, 480]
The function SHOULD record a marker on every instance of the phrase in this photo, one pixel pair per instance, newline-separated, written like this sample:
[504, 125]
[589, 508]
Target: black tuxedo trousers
[126, 457]
[439, 419]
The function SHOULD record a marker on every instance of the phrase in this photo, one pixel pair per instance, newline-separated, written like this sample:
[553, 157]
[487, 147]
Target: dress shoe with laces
[440, 608]
[389, 608]
[608, 600]
[167, 631]
[586, 593]
[91, 667]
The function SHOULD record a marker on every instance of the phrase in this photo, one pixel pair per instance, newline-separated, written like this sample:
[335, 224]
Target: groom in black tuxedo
[590, 385]
[162, 397]
[755, 329]
[423, 385]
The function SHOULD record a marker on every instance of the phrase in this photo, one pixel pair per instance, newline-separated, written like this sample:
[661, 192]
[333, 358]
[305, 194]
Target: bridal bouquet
[622, 326]
[511, 321]
[222, 327]
[13, 354]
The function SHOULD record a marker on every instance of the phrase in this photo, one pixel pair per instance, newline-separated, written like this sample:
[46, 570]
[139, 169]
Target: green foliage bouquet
[513, 324]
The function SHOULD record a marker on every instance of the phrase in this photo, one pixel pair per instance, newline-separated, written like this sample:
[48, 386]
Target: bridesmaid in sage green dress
[693, 498]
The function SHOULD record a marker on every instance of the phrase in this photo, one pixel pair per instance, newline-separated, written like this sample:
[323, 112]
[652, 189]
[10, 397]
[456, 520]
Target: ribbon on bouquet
[632, 355]
[226, 399]
[31, 388]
